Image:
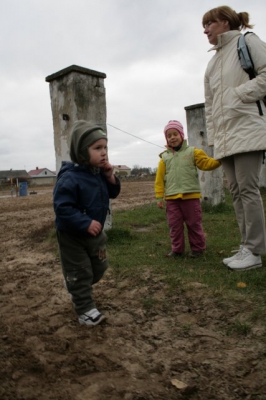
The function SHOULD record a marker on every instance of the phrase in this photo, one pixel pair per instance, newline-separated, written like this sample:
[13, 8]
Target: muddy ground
[177, 353]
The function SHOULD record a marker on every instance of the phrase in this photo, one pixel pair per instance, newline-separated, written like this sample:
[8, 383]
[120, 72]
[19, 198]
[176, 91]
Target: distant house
[122, 170]
[42, 176]
[13, 176]
[41, 172]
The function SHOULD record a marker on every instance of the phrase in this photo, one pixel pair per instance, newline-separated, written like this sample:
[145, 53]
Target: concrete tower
[76, 93]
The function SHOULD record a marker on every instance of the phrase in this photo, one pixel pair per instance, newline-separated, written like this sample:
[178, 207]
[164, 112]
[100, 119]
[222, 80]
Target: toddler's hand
[108, 170]
[95, 228]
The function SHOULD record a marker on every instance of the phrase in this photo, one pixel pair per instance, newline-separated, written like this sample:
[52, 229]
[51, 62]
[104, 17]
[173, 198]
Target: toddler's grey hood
[84, 134]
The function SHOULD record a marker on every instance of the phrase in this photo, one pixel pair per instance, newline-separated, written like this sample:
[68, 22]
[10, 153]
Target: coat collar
[170, 150]
[225, 38]
[183, 146]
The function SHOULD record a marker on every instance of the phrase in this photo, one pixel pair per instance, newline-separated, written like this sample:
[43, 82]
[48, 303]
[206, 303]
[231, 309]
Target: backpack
[247, 64]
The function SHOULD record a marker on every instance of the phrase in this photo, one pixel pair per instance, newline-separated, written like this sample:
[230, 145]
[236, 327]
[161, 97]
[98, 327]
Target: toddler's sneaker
[236, 256]
[91, 318]
[245, 261]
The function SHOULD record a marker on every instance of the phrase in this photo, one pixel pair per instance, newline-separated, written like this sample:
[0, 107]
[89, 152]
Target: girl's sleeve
[159, 181]
[204, 162]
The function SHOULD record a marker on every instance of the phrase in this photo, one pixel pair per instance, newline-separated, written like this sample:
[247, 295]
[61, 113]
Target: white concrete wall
[211, 182]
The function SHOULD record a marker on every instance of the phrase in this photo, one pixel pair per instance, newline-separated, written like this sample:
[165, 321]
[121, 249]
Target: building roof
[38, 171]
[122, 167]
[22, 173]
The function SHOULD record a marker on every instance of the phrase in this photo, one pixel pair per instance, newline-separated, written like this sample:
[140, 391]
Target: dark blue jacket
[81, 194]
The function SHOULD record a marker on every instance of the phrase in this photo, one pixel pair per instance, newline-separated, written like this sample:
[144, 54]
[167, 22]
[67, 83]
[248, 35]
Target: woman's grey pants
[242, 172]
[83, 262]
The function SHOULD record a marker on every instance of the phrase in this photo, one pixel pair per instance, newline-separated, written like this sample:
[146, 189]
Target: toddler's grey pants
[83, 262]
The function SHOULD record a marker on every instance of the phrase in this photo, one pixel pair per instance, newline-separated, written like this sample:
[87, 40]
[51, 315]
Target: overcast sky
[153, 52]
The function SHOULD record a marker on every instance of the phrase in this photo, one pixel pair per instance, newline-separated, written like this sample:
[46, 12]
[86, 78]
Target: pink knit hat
[173, 124]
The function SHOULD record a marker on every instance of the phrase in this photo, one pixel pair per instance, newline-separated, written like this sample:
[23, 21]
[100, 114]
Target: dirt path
[136, 355]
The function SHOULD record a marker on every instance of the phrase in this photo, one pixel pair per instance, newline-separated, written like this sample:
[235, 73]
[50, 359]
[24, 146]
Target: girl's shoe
[195, 254]
[173, 254]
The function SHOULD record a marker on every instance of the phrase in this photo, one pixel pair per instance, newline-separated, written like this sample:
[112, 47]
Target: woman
[235, 128]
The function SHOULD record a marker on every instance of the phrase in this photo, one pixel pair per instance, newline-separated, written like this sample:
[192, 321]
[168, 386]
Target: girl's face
[98, 153]
[173, 137]
[214, 28]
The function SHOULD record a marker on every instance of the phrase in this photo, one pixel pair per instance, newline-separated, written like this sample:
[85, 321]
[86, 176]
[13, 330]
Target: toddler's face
[98, 153]
[173, 137]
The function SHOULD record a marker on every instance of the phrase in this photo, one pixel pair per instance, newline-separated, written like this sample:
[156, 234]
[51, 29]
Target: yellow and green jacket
[177, 175]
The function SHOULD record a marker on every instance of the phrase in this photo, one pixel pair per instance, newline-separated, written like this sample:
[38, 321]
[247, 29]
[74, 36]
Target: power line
[121, 130]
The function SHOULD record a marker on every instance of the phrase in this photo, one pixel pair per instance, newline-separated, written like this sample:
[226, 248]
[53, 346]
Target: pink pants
[189, 212]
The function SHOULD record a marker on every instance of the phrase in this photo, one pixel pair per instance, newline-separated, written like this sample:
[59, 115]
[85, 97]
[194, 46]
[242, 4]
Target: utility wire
[121, 130]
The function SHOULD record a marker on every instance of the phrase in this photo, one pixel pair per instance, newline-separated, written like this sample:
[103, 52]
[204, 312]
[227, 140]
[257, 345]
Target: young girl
[177, 183]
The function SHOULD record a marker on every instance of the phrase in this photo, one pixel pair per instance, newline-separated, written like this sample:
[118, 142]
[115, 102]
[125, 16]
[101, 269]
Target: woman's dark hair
[237, 21]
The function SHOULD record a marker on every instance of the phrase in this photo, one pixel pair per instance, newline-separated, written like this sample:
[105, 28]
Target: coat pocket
[233, 106]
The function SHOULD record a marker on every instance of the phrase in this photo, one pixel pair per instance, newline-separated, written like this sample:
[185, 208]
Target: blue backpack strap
[247, 63]
[245, 57]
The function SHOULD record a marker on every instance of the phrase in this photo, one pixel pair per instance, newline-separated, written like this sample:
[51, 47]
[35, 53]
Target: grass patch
[138, 243]
[239, 328]
[120, 236]
[140, 256]
[149, 303]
